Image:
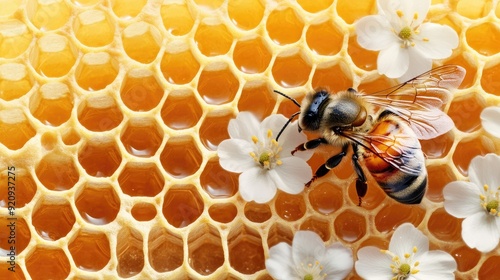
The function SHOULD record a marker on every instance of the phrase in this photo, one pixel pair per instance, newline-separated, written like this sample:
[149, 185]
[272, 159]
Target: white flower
[265, 164]
[478, 202]
[407, 45]
[490, 119]
[309, 259]
[408, 257]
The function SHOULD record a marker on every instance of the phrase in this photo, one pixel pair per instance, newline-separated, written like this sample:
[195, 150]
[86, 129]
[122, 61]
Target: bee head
[313, 108]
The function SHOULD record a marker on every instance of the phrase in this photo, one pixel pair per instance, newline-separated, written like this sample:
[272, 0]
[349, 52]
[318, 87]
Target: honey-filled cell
[181, 157]
[90, 250]
[47, 260]
[214, 129]
[326, 198]
[489, 79]
[20, 233]
[141, 179]
[181, 110]
[129, 252]
[257, 213]
[179, 67]
[99, 113]
[143, 211]
[223, 212]
[52, 104]
[53, 218]
[53, 56]
[465, 111]
[291, 71]
[245, 14]
[467, 149]
[15, 129]
[97, 203]
[48, 15]
[319, 226]
[177, 18]
[217, 84]
[13, 33]
[142, 137]
[465, 257]
[285, 19]
[290, 207]
[473, 9]
[94, 28]
[490, 268]
[363, 58]
[350, 11]
[394, 214]
[468, 64]
[484, 38]
[182, 205]
[350, 226]
[127, 9]
[279, 233]
[246, 254]
[438, 147]
[141, 42]
[165, 249]
[438, 177]
[141, 90]
[5, 273]
[15, 81]
[316, 34]
[257, 94]
[100, 157]
[315, 6]
[251, 56]
[22, 181]
[444, 226]
[9, 7]
[57, 171]
[213, 40]
[332, 78]
[374, 194]
[96, 71]
[206, 254]
[218, 182]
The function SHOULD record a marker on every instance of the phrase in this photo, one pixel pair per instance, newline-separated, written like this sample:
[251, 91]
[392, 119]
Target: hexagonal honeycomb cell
[111, 113]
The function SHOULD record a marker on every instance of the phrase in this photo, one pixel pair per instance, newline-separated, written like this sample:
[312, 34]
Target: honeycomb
[111, 112]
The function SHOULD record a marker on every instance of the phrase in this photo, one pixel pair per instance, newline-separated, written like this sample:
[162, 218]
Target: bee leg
[311, 144]
[361, 186]
[329, 164]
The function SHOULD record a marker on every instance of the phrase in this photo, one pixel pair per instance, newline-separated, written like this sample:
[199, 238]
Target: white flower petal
[436, 41]
[234, 155]
[290, 139]
[490, 119]
[393, 61]
[243, 127]
[418, 64]
[337, 262]
[256, 184]
[461, 199]
[274, 123]
[307, 247]
[374, 33]
[292, 175]
[436, 265]
[373, 264]
[409, 9]
[483, 170]
[480, 231]
[280, 262]
[405, 237]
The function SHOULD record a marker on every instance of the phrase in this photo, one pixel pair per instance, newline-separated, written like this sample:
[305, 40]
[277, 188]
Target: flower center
[408, 29]
[491, 200]
[267, 151]
[405, 33]
[312, 271]
[403, 268]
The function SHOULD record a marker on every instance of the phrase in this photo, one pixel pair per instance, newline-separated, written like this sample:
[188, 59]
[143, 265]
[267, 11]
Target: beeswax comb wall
[111, 112]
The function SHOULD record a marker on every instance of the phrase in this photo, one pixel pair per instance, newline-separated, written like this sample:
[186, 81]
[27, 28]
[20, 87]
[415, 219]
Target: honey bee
[383, 129]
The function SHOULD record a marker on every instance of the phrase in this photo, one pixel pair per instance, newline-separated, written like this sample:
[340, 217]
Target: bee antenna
[286, 124]
[288, 97]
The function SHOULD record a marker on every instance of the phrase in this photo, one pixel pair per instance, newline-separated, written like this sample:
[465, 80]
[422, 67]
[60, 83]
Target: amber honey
[112, 112]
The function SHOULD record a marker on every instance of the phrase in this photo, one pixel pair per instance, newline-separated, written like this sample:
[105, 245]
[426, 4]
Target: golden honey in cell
[90, 251]
[141, 179]
[251, 56]
[261, 95]
[218, 86]
[182, 205]
[93, 28]
[97, 203]
[165, 250]
[321, 227]
[257, 213]
[141, 90]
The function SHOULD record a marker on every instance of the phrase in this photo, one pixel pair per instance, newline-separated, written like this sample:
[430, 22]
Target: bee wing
[420, 100]
[398, 150]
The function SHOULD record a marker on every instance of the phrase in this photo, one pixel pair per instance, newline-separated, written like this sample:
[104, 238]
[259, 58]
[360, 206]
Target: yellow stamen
[400, 13]
[425, 39]
[485, 187]
[255, 140]
[415, 16]
[279, 162]
[415, 249]
[269, 133]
